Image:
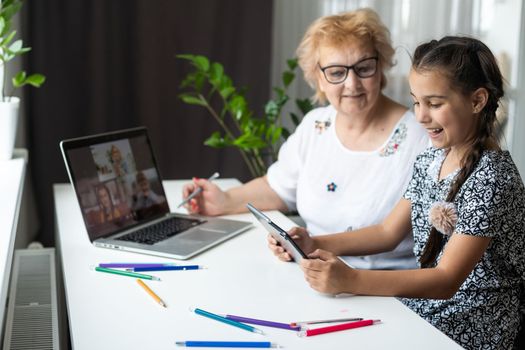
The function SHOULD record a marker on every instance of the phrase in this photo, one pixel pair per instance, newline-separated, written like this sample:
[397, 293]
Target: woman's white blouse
[335, 189]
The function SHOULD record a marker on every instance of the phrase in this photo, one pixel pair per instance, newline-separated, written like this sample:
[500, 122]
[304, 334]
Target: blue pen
[225, 320]
[226, 344]
[168, 268]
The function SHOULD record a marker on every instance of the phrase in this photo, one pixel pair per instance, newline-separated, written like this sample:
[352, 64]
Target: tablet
[279, 234]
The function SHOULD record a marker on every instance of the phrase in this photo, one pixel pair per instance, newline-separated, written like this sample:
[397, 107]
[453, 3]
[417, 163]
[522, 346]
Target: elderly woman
[349, 162]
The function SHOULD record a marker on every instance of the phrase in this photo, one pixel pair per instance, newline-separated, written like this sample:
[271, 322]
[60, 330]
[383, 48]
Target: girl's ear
[479, 99]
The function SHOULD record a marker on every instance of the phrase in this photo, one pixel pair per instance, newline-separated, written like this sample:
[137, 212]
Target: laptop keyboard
[161, 230]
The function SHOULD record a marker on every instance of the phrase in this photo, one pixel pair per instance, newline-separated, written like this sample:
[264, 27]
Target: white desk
[12, 175]
[243, 278]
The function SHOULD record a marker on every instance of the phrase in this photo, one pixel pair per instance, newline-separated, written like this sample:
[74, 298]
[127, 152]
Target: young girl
[465, 205]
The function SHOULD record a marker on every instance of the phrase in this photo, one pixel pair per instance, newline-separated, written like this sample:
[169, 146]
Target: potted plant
[257, 138]
[9, 105]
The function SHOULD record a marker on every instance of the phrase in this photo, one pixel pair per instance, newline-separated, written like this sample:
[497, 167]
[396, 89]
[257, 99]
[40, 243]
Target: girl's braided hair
[469, 65]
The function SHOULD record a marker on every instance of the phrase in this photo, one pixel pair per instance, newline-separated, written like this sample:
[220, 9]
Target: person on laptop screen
[108, 212]
[347, 163]
[115, 186]
[146, 198]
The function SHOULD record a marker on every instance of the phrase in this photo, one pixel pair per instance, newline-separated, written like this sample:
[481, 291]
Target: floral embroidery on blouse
[331, 187]
[400, 134]
[322, 125]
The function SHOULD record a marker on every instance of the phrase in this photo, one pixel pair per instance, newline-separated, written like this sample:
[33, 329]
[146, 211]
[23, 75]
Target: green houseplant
[9, 49]
[257, 138]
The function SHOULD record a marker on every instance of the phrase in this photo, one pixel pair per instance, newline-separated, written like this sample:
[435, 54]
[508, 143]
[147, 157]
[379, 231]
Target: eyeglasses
[336, 74]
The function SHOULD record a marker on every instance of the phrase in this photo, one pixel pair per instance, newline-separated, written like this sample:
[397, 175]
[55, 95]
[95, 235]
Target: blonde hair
[363, 25]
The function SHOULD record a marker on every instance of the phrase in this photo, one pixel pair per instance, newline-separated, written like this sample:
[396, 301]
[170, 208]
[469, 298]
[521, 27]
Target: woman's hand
[211, 201]
[300, 236]
[326, 273]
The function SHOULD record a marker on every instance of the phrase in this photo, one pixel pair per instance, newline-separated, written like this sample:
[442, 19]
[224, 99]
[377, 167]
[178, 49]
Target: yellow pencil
[150, 292]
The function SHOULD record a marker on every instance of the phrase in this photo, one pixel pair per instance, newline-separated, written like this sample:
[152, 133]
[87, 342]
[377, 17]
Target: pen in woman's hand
[198, 190]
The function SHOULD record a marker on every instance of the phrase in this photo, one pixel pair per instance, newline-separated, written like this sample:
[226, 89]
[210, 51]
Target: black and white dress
[485, 312]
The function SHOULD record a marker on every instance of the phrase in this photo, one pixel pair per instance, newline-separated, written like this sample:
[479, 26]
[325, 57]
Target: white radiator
[32, 316]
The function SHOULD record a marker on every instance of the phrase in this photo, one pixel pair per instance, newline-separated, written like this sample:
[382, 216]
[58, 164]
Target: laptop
[123, 202]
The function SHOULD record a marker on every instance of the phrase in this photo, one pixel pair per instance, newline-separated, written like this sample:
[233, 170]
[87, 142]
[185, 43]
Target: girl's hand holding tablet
[325, 272]
[300, 237]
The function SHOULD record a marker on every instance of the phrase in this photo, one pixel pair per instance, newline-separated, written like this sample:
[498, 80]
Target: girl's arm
[375, 239]
[328, 274]
[370, 240]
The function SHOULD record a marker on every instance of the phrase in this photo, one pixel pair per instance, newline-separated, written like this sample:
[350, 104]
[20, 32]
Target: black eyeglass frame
[348, 68]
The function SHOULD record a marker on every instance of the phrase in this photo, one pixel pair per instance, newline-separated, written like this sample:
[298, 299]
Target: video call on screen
[117, 185]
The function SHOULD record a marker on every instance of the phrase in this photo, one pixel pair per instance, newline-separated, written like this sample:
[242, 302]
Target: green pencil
[127, 273]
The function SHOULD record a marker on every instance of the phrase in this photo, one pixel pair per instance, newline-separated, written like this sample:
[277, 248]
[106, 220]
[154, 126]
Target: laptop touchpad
[202, 235]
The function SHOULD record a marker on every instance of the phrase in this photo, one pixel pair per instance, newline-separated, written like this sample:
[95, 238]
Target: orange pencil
[150, 292]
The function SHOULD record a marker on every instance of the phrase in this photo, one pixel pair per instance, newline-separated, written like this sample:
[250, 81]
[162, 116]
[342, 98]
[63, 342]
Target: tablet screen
[279, 234]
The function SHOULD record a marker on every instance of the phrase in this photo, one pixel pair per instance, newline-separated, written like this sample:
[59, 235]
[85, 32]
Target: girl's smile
[447, 115]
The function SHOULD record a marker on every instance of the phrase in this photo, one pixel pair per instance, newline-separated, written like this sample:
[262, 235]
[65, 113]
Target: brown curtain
[111, 65]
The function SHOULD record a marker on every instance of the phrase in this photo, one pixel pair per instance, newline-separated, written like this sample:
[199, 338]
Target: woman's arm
[257, 192]
[326, 273]
[213, 201]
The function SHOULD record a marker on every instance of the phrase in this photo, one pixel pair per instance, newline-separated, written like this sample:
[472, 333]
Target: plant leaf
[9, 9]
[23, 50]
[216, 73]
[192, 100]
[295, 118]
[200, 80]
[285, 133]
[237, 107]
[271, 108]
[292, 63]
[201, 63]
[280, 92]
[288, 77]
[215, 140]
[305, 105]
[248, 141]
[35, 80]
[226, 82]
[276, 134]
[8, 38]
[16, 46]
[186, 57]
[198, 61]
[2, 25]
[226, 92]
[19, 79]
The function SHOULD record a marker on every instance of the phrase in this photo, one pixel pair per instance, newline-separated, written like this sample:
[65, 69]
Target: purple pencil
[263, 322]
[133, 265]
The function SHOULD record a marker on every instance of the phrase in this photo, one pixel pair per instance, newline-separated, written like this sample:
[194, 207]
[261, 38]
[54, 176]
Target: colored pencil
[151, 293]
[227, 321]
[336, 328]
[127, 273]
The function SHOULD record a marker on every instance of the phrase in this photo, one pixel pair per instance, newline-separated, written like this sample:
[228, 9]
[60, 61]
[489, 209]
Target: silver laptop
[123, 202]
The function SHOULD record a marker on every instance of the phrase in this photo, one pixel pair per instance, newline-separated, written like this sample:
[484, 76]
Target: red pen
[339, 327]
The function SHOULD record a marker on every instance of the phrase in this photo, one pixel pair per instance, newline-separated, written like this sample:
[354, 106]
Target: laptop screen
[116, 180]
